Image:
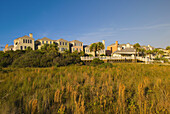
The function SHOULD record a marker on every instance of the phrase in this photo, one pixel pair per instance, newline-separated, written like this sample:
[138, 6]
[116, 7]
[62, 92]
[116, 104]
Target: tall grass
[123, 88]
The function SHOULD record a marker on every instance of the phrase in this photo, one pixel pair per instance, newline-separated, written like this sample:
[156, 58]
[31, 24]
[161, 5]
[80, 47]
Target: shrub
[102, 55]
[31, 59]
[90, 55]
[96, 61]
[107, 65]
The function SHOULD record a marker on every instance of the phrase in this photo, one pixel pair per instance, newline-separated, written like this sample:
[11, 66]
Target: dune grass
[121, 88]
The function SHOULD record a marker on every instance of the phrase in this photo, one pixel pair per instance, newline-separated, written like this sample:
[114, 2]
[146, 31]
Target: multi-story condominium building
[23, 42]
[43, 41]
[76, 45]
[87, 50]
[63, 45]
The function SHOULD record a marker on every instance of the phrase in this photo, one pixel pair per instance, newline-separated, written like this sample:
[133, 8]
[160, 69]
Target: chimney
[31, 35]
[103, 41]
[116, 43]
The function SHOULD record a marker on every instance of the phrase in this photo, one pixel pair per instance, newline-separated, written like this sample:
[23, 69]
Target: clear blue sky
[128, 21]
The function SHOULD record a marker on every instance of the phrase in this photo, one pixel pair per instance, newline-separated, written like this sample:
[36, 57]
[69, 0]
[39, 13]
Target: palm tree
[100, 46]
[136, 46]
[142, 51]
[156, 51]
[93, 48]
[149, 52]
[96, 47]
[160, 53]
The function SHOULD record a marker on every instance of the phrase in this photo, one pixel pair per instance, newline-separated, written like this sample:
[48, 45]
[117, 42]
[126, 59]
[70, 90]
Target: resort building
[76, 45]
[113, 47]
[23, 42]
[63, 45]
[124, 50]
[101, 52]
[41, 42]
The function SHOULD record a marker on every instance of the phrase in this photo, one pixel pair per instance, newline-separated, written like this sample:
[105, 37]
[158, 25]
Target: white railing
[117, 58]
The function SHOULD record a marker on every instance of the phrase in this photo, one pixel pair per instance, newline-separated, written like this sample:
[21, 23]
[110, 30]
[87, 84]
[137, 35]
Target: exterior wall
[113, 48]
[63, 45]
[42, 42]
[20, 45]
[87, 51]
[76, 45]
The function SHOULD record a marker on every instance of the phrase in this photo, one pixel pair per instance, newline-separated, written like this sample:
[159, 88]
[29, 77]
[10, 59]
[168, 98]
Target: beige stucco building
[87, 50]
[63, 45]
[76, 45]
[23, 42]
[43, 41]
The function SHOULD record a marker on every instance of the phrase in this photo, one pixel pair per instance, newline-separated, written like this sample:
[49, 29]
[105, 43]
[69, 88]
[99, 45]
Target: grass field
[121, 88]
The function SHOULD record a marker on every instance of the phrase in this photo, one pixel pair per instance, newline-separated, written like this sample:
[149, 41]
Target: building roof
[11, 46]
[61, 40]
[25, 37]
[126, 50]
[45, 39]
[76, 41]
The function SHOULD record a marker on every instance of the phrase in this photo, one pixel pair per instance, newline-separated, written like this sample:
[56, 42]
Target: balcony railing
[117, 58]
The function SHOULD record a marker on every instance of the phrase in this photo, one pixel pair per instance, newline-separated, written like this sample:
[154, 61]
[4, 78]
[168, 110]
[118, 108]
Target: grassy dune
[122, 88]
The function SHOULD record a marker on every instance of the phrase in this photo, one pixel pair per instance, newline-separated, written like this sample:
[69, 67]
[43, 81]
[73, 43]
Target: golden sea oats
[34, 106]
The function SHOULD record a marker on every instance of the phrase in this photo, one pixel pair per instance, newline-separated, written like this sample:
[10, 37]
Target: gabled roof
[11, 46]
[45, 39]
[25, 37]
[76, 41]
[61, 40]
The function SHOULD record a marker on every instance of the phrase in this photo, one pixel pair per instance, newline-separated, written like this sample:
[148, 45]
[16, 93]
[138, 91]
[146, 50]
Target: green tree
[93, 48]
[168, 48]
[142, 51]
[136, 46]
[160, 53]
[149, 52]
[28, 49]
[100, 46]
[96, 47]
[155, 51]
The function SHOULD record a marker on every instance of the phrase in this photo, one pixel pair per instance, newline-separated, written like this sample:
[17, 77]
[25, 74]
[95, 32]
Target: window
[77, 49]
[62, 49]
[46, 42]
[23, 40]
[63, 43]
[50, 42]
[73, 49]
[80, 49]
[21, 47]
[31, 41]
[66, 43]
[42, 42]
[60, 43]
[25, 47]
[75, 44]
[81, 44]
[28, 41]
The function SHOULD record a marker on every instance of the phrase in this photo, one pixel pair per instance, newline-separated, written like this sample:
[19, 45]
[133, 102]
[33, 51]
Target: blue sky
[127, 21]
